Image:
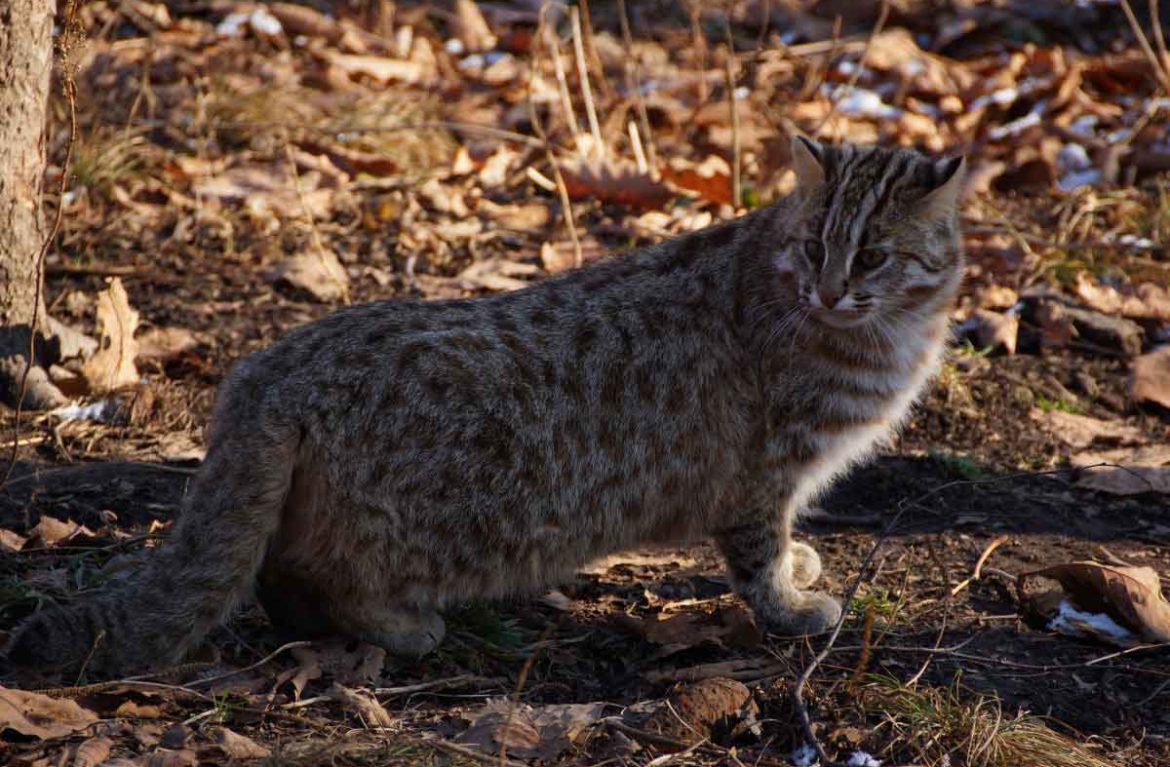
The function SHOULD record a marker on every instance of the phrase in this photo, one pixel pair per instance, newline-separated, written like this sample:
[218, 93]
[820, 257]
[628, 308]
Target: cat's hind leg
[771, 573]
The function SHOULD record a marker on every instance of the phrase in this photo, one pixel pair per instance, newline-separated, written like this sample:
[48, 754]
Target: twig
[736, 160]
[314, 235]
[454, 681]
[471, 753]
[63, 49]
[236, 672]
[1144, 43]
[614, 723]
[562, 190]
[591, 50]
[633, 71]
[583, 76]
[1159, 39]
[521, 678]
[636, 145]
[996, 542]
[853, 78]
[562, 83]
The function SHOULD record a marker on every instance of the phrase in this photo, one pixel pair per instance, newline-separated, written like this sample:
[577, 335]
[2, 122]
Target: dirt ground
[624, 664]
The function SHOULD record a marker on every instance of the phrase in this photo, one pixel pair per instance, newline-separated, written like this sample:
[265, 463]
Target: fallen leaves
[319, 275]
[1149, 379]
[111, 367]
[363, 704]
[38, 716]
[1129, 596]
[530, 732]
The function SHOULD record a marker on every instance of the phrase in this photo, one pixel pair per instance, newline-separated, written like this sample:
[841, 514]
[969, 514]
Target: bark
[26, 61]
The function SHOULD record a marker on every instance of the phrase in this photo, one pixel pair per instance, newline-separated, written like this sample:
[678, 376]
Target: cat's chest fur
[844, 400]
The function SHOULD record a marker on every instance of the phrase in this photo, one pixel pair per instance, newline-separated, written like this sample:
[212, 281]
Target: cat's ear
[808, 158]
[941, 201]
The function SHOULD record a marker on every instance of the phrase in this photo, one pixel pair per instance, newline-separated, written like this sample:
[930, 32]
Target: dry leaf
[377, 67]
[496, 274]
[471, 28]
[92, 752]
[711, 179]
[163, 757]
[321, 275]
[613, 181]
[1131, 596]
[1144, 470]
[50, 531]
[165, 343]
[993, 330]
[1081, 430]
[674, 559]
[702, 709]
[1150, 377]
[10, 541]
[112, 365]
[1147, 300]
[236, 746]
[38, 716]
[542, 732]
[363, 704]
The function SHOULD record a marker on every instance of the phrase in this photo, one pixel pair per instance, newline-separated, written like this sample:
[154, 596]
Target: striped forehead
[861, 184]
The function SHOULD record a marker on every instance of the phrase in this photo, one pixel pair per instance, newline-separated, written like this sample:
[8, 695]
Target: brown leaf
[236, 746]
[164, 343]
[1081, 430]
[616, 182]
[1144, 470]
[1144, 301]
[1131, 596]
[378, 68]
[50, 531]
[471, 28]
[711, 179]
[10, 541]
[542, 732]
[92, 752]
[496, 274]
[1150, 377]
[163, 757]
[321, 275]
[38, 716]
[363, 704]
[700, 710]
[112, 365]
[993, 330]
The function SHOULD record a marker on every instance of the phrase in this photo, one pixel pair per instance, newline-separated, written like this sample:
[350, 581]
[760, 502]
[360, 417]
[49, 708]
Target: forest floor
[241, 169]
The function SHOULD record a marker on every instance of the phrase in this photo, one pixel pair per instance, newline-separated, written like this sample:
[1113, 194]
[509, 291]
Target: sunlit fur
[391, 459]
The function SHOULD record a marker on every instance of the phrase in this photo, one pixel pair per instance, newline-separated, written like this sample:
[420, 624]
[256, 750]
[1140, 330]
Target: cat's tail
[195, 578]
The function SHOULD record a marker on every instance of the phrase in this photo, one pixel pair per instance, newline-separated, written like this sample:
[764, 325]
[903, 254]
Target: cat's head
[876, 233]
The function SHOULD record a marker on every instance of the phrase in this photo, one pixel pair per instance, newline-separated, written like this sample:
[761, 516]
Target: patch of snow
[862, 759]
[804, 755]
[1078, 178]
[100, 411]
[474, 61]
[1084, 125]
[741, 93]
[858, 102]
[454, 46]
[1004, 97]
[1018, 125]
[1143, 243]
[1071, 621]
[260, 20]
[1073, 157]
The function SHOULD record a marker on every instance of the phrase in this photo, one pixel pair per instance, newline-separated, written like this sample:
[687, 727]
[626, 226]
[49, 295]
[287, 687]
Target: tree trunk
[26, 62]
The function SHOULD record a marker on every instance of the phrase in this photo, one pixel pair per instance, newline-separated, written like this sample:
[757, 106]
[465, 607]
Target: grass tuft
[947, 726]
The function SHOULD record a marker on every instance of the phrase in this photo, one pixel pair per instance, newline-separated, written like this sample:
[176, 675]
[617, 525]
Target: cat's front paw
[804, 565]
[813, 613]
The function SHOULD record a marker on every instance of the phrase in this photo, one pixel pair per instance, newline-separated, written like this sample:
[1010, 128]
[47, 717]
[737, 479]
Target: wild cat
[390, 459]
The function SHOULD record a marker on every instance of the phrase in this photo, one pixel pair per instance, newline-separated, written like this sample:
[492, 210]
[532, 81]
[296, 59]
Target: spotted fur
[391, 459]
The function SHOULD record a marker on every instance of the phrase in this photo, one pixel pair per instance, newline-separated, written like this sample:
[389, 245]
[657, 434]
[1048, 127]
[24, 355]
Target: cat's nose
[830, 294]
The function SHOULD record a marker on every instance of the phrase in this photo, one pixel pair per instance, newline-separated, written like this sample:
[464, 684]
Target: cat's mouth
[838, 318]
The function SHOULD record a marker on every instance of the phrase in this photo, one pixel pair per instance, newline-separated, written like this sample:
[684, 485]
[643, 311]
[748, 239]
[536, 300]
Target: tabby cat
[391, 459]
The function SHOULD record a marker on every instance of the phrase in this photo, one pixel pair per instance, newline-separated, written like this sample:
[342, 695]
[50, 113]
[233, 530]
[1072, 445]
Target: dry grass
[951, 726]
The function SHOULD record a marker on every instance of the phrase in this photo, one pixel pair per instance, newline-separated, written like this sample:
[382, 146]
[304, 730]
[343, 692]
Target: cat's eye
[870, 259]
[814, 251]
